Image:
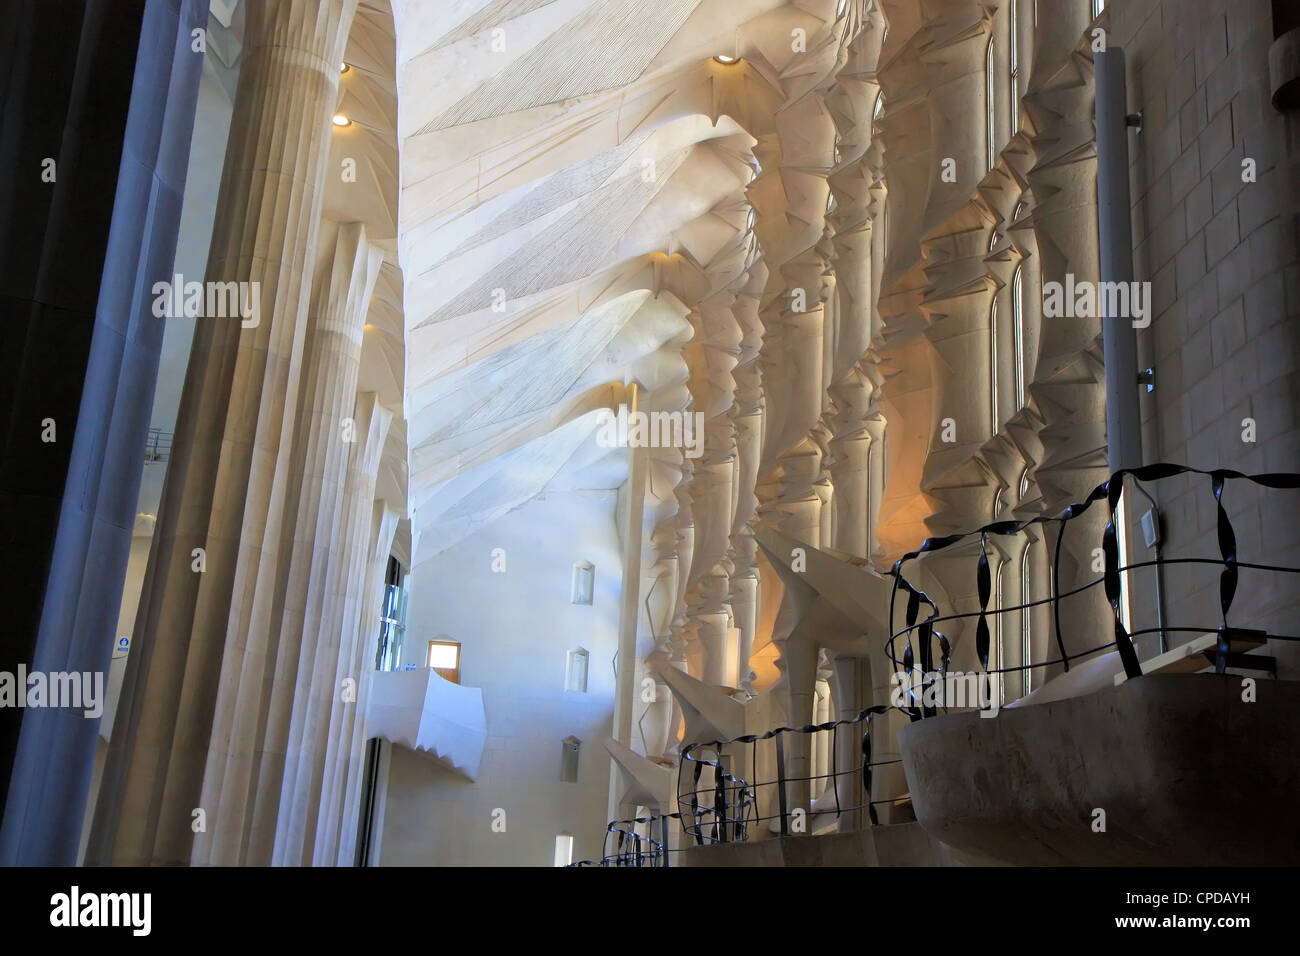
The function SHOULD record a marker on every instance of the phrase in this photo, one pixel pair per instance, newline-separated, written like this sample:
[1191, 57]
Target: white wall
[516, 628]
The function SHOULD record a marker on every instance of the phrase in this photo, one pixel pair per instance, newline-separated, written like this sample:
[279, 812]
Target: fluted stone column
[846, 690]
[326, 430]
[206, 644]
[744, 582]
[52, 766]
[325, 750]
[658, 600]
[748, 416]
[336, 831]
[1069, 375]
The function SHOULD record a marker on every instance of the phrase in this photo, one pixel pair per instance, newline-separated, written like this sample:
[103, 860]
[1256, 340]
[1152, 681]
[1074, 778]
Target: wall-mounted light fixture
[341, 120]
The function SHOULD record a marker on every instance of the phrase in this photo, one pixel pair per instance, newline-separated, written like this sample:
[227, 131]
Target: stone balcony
[425, 713]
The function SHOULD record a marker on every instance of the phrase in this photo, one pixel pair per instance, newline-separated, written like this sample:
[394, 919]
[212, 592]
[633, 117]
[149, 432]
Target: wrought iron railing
[634, 848]
[726, 808]
[158, 446]
[723, 811]
[922, 638]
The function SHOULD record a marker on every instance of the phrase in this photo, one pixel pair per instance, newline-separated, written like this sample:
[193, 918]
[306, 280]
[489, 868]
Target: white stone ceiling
[560, 160]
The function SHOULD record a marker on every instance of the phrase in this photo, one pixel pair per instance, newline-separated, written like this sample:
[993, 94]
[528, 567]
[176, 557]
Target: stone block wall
[1220, 251]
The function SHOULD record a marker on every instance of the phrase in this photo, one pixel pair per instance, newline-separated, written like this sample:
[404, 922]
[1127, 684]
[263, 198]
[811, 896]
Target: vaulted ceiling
[570, 171]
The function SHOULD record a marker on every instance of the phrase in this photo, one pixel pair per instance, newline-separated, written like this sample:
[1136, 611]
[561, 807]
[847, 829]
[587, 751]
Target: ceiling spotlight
[728, 60]
[341, 120]
[344, 68]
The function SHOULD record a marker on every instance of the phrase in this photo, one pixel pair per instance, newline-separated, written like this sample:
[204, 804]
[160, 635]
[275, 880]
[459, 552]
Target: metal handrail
[928, 636]
[727, 810]
[158, 446]
[708, 753]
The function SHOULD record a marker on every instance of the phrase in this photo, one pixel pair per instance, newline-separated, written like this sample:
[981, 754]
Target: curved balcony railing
[725, 808]
[631, 846]
[923, 642]
[738, 804]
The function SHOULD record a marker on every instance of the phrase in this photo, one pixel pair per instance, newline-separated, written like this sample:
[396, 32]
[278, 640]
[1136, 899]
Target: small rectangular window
[570, 747]
[575, 675]
[563, 849]
[443, 657]
[583, 585]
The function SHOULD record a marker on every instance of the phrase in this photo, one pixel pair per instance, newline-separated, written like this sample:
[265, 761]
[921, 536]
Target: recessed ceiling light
[341, 120]
[723, 58]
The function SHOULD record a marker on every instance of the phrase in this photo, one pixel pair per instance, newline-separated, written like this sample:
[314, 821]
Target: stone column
[328, 746]
[748, 417]
[196, 688]
[629, 592]
[658, 602]
[810, 329]
[341, 792]
[328, 431]
[846, 689]
[1068, 383]
[56, 750]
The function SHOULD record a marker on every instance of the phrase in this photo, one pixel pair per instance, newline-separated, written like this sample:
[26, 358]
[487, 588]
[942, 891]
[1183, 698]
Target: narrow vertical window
[1018, 334]
[873, 492]
[392, 619]
[999, 686]
[994, 412]
[575, 671]
[1013, 54]
[563, 849]
[1097, 7]
[569, 750]
[990, 112]
[876, 113]
[1026, 622]
[584, 583]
